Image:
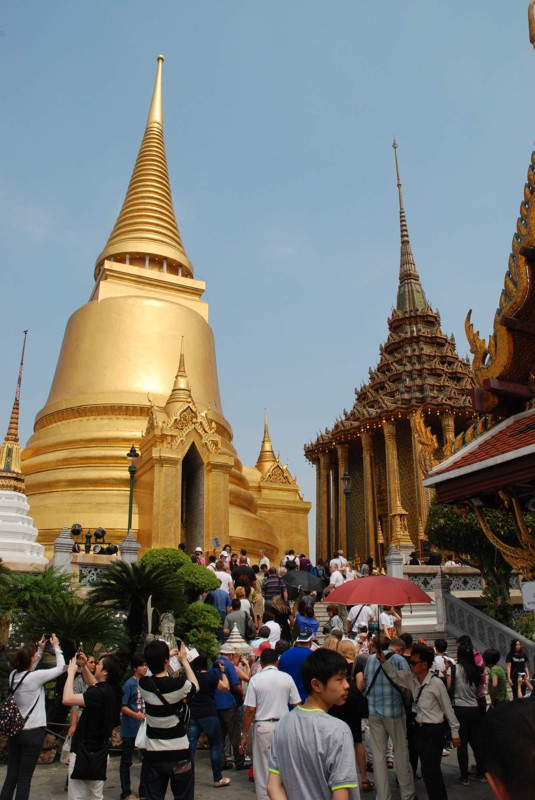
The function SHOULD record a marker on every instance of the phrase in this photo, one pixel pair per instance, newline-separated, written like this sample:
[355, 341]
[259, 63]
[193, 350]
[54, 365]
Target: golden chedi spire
[411, 296]
[266, 457]
[11, 477]
[181, 392]
[146, 232]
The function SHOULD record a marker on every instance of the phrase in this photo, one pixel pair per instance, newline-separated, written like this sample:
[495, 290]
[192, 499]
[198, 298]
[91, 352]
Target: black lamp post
[346, 483]
[132, 456]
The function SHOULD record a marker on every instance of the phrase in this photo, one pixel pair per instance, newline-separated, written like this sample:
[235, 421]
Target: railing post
[441, 586]
[394, 563]
[129, 548]
[63, 551]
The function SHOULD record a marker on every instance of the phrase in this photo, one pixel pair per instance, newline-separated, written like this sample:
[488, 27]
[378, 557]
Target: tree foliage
[458, 531]
[201, 616]
[197, 579]
[21, 591]
[73, 621]
[170, 558]
[128, 587]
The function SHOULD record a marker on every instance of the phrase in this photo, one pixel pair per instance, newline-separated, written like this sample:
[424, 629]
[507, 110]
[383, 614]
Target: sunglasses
[413, 663]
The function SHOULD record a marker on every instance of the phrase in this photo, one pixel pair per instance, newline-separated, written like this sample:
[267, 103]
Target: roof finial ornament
[402, 217]
[531, 22]
[12, 434]
[266, 457]
[156, 106]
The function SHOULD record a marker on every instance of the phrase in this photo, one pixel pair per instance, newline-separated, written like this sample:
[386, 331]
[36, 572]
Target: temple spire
[181, 392]
[10, 466]
[411, 296]
[266, 457]
[146, 233]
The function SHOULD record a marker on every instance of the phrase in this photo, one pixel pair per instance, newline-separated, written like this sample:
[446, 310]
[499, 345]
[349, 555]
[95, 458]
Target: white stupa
[18, 546]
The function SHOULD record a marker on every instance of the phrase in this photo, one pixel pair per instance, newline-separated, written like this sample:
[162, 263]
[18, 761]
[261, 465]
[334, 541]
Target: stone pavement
[49, 781]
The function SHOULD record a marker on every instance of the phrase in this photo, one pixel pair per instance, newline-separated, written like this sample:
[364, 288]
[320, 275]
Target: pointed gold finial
[146, 233]
[181, 392]
[11, 477]
[156, 106]
[411, 296]
[266, 457]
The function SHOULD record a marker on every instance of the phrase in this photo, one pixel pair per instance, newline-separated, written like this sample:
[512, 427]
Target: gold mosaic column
[421, 503]
[448, 433]
[325, 500]
[369, 495]
[399, 533]
[342, 452]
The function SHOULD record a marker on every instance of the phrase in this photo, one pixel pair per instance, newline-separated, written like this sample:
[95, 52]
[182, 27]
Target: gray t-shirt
[314, 754]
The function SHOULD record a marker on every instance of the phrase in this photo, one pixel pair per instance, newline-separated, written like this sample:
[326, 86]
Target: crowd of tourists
[306, 709]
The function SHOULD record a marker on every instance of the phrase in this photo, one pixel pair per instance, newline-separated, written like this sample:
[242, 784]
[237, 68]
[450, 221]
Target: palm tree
[73, 622]
[128, 588]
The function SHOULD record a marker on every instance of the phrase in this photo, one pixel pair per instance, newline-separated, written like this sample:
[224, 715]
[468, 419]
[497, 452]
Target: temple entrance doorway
[192, 517]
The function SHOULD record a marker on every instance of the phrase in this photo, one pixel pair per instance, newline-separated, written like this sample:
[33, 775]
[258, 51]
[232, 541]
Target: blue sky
[279, 119]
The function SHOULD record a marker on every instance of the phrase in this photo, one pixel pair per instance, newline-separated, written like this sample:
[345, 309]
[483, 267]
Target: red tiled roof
[510, 435]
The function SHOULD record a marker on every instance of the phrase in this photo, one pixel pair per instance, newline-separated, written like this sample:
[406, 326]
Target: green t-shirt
[497, 694]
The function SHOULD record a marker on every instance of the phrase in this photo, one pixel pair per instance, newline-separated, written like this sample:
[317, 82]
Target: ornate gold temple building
[116, 383]
[415, 399]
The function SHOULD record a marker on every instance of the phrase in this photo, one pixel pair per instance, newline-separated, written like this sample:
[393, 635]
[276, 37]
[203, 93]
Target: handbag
[250, 627]
[65, 755]
[90, 765]
[141, 736]
[11, 720]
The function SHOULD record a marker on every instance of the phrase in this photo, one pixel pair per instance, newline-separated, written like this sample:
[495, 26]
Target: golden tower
[415, 399]
[116, 383]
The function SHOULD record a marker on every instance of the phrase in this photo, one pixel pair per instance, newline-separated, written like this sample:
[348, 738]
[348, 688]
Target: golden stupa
[117, 383]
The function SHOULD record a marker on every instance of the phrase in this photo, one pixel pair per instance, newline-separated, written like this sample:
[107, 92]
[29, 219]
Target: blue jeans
[22, 754]
[209, 726]
[127, 755]
[156, 776]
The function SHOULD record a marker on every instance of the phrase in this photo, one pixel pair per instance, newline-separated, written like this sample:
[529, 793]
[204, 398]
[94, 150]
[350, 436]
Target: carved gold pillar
[421, 503]
[448, 433]
[370, 530]
[323, 497]
[399, 533]
[342, 452]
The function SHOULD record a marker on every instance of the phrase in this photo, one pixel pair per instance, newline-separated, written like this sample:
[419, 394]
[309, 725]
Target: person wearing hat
[268, 696]
[290, 661]
[200, 558]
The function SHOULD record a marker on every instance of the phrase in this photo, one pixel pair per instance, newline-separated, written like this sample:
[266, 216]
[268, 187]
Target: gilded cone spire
[146, 232]
[266, 457]
[181, 392]
[411, 296]
[10, 469]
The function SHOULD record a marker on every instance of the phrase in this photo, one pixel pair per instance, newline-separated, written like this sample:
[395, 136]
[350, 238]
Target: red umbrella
[378, 590]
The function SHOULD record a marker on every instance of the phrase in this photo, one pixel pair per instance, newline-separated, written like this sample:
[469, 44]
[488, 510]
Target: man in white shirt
[263, 559]
[269, 694]
[335, 579]
[226, 581]
[358, 618]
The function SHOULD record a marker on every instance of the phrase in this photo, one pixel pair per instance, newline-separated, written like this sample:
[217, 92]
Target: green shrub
[168, 557]
[201, 616]
[203, 640]
[197, 579]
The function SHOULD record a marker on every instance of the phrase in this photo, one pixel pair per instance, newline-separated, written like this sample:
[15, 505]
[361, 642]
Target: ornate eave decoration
[503, 366]
[279, 474]
[174, 430]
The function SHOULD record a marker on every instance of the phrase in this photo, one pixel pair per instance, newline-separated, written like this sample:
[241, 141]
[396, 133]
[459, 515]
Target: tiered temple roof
[418, 364]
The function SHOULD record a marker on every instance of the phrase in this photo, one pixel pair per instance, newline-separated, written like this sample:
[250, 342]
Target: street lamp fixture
[132, 457]
[346, 484]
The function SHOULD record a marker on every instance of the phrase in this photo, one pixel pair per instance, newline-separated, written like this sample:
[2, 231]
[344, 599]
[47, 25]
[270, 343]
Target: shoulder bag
[11, 720]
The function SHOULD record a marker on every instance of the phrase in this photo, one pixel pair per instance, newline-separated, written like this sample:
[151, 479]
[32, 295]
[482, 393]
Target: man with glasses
[430, 705]
[387, 719]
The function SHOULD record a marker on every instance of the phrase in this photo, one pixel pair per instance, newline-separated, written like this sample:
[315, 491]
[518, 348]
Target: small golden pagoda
[117, 383]
[415, 400]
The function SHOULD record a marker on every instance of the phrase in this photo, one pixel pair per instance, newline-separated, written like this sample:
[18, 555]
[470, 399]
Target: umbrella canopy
[299, 578]
[378, 590]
